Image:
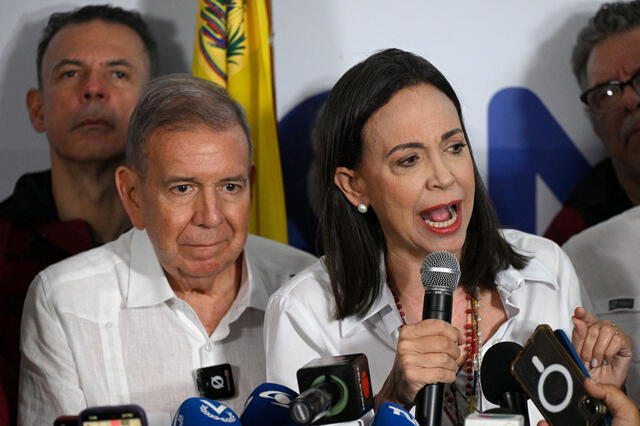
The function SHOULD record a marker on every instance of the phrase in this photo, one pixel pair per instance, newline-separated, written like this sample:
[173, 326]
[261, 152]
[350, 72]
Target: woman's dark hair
[354, 242]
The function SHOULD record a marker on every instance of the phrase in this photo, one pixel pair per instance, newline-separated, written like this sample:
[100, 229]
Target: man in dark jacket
[92, 63]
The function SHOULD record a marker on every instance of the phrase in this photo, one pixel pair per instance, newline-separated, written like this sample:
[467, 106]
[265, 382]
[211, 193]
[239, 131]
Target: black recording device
[498, 384]
[440, 273]
[216, 382]
[334, 389]
[554, 381]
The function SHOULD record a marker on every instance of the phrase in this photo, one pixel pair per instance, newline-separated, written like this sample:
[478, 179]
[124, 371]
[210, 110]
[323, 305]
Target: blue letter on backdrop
[524, 141]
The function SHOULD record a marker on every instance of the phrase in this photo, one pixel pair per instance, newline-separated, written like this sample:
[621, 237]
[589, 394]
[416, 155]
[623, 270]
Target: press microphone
[204, 412]
[439, 273]
[389, 414]
[268, 405]
[334, 389]
[498, 384]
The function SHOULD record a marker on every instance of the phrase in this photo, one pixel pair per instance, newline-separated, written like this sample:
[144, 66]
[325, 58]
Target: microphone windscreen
[204, 412]
[392, 414]
[440, 270]
[495, 371]
[268, 405]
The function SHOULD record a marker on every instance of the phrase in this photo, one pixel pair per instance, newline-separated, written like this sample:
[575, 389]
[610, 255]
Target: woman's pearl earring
[362, 208]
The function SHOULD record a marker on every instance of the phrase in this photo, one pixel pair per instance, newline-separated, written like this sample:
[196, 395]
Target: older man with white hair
[139, 319]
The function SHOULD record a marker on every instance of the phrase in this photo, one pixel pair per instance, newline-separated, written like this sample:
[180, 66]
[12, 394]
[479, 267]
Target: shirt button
[208, 346]
[109, 324]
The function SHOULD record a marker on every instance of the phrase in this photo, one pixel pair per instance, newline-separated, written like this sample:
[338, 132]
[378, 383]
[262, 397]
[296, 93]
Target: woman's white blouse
[300, 324]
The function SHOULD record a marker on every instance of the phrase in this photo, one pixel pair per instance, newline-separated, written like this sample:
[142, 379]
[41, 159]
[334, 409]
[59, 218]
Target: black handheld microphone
[498, 384]
[440, 273]
[335, 389]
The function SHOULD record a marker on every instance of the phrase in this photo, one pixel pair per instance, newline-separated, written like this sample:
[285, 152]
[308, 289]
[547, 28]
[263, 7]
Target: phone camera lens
[592, 406]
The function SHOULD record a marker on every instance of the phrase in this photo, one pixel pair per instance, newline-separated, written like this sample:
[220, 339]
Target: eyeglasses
[607, 96]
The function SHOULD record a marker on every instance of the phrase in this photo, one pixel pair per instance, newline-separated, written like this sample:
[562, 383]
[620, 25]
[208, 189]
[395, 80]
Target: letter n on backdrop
[525, 141]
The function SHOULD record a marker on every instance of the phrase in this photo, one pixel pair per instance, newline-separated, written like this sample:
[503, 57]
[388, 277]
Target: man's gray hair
[178, 102]
[611, 19]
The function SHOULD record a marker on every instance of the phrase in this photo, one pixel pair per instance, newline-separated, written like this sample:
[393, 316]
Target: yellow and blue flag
[232, 49]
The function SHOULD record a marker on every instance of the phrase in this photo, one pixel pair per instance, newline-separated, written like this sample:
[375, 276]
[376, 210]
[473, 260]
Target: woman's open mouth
[444, 218]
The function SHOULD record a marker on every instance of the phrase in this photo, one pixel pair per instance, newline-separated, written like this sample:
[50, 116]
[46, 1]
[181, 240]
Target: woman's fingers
[427, 352]
[604, 348]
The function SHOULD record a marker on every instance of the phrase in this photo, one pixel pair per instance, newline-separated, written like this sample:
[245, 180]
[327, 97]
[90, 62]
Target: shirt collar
[511, 279]
[507, 282]
[258, 296]
[147, 284]
[251, 294]
[383, 309]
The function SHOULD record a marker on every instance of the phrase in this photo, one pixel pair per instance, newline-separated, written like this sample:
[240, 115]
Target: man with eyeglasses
[606, 61]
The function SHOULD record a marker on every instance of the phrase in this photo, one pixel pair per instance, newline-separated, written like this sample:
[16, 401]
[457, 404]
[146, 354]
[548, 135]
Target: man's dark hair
[611, 19]
[353, 241]
[106, 13]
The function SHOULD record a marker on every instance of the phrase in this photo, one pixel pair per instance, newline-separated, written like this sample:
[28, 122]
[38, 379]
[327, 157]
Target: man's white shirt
[607, 260]
[105, 328]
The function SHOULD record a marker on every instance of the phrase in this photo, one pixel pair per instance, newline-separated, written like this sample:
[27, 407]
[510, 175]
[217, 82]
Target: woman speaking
[398, 181]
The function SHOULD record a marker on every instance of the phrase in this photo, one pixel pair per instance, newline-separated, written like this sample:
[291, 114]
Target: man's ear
[351, 185]
[35, 106]
[129, 185]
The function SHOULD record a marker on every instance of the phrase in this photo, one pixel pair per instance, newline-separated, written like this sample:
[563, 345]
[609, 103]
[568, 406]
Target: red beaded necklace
[458, 403]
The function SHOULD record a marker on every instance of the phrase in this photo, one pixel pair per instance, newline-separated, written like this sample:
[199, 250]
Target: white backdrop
[481, 47]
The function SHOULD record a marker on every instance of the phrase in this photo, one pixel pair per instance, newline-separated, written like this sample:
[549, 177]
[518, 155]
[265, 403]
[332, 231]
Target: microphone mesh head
[440, 271]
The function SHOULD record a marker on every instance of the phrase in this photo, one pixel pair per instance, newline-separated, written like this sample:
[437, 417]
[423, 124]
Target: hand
[623, 410]
[603, 347]
[427, 352]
